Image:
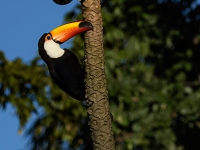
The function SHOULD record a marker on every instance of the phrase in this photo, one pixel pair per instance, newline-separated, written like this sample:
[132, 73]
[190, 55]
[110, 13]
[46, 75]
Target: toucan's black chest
[68, 74]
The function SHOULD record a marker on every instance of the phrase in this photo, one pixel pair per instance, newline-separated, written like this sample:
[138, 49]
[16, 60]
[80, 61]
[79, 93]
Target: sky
[22, 23]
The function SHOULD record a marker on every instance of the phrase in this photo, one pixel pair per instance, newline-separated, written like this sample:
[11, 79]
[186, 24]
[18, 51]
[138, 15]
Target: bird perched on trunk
[63, 64]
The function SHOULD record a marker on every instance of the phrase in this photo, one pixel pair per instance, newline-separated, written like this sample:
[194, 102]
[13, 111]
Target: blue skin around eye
[48, 38]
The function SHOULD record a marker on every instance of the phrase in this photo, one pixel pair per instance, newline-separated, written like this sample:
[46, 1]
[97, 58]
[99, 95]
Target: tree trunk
[96, 90]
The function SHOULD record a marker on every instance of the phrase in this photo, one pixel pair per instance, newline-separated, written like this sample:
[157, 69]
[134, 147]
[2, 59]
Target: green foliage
[152, 68]
[21, 85]
[153, 77]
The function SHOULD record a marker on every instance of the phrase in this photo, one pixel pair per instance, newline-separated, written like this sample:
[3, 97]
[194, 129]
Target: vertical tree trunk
[96, 90]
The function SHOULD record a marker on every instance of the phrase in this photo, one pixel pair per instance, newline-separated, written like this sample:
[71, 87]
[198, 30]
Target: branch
[96, 90]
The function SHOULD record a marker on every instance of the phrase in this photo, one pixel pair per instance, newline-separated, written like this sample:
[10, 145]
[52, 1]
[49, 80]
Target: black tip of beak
[85, 24]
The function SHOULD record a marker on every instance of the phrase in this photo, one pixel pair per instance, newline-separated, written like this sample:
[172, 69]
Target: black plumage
[66, 71]
[63, 64]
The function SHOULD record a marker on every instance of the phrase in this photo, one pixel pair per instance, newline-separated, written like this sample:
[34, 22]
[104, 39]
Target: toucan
[63, 64]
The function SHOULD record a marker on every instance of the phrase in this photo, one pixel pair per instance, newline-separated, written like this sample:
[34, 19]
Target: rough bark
[96, 90]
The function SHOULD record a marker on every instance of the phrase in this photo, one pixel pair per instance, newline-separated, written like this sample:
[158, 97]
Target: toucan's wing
[75, 57]
[71, 53]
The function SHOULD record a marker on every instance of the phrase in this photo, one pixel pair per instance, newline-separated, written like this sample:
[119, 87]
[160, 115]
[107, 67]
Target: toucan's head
[49, 43]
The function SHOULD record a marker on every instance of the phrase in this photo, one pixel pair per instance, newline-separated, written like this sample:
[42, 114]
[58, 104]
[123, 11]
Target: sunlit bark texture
[96, 91]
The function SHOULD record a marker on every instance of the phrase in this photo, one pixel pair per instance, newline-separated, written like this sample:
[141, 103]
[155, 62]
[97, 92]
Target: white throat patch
[53, 49]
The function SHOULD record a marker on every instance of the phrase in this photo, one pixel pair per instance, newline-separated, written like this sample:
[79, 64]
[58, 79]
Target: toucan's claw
[83, 63]
[87, 104]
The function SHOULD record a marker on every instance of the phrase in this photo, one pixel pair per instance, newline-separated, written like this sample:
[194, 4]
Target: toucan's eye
[48, 37]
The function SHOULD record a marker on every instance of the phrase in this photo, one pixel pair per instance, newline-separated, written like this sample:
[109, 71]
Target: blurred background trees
[152, 51]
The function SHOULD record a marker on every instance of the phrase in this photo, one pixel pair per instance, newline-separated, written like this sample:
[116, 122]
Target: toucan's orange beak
[69, 30]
